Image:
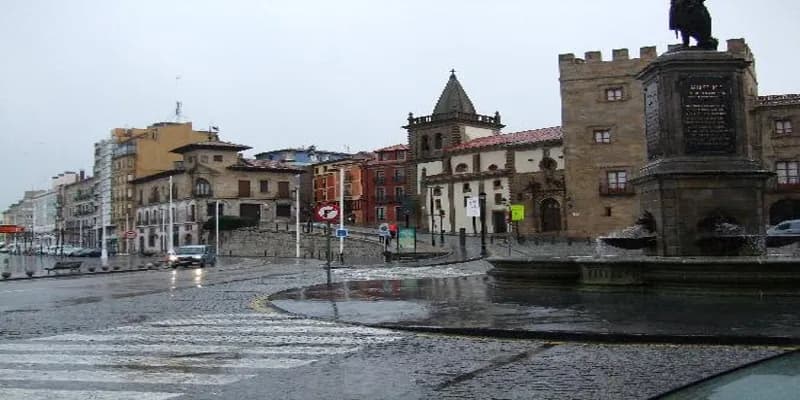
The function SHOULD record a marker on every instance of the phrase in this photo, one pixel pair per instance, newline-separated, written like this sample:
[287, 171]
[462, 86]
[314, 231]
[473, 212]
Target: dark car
[88, 252]
[201, 255]
[776, 378]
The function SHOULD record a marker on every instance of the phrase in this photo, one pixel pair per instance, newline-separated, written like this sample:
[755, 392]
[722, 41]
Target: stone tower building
[603, 127]
[454, 121]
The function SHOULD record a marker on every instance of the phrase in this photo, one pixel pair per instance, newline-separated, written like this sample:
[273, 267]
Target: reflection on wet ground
[477, 302]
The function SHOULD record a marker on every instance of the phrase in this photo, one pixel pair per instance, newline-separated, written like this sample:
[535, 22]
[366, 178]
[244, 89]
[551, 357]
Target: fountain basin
[630, 243]
[737, 273]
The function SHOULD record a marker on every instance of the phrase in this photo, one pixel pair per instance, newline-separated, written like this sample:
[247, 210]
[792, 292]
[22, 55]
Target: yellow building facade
[143, 152]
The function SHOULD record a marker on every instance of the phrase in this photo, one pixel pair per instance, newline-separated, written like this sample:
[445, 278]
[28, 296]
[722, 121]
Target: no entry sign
[326, 212]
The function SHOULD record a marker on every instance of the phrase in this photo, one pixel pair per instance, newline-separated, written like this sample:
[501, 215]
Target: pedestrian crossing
[169, 358]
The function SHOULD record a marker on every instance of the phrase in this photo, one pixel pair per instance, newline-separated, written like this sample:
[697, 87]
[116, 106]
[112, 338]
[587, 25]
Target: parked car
[784, 233]
[773, 378]
[790, 227]
[201, 255]
[87, 252]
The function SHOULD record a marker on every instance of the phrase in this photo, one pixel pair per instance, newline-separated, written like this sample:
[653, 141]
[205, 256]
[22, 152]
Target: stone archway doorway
[551, 215]
[783, 210]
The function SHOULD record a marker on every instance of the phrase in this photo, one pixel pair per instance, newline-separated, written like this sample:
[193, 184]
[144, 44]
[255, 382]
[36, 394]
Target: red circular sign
[130, 234]
[326, 212]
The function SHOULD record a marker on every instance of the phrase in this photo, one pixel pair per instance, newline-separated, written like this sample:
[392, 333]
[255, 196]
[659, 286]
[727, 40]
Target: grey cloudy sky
[275, 74]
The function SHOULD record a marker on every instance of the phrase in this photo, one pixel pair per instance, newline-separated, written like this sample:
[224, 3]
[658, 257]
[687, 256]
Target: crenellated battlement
[617, 55]
[737, 47]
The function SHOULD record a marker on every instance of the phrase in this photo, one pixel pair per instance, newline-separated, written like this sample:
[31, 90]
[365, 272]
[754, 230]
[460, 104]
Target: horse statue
[692, 19]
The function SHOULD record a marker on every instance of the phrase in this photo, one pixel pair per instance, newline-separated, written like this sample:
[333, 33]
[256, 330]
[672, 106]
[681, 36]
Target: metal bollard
[569, 241]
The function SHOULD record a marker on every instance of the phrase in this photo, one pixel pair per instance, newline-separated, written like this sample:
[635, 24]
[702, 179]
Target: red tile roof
[524, 137]
[249, 164]
[396, 147]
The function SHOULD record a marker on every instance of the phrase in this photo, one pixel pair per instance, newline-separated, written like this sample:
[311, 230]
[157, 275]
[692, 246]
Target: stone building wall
[586, 109]
[252, 242]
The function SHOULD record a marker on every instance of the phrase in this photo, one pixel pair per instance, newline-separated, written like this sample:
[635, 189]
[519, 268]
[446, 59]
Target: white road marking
[235, 322]
[250, 316]
[182, 362]
[120, 376]
[47, 394]
[174, 349]
[347, 330]
[238, 339]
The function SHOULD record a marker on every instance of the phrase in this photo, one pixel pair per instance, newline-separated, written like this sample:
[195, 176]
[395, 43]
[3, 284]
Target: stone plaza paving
[203, 334]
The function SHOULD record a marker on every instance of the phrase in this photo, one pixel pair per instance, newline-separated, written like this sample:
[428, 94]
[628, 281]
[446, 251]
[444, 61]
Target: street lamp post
[482, 202]
[433, 234]
[441, 227]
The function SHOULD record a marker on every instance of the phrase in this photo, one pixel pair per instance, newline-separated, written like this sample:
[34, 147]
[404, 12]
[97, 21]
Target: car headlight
[197, 257]
[173, 258]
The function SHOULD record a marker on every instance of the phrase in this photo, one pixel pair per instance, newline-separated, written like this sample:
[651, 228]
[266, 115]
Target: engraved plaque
[652, 122]
[706, 114]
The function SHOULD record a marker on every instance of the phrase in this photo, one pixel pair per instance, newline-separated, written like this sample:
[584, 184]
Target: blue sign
[341, 233]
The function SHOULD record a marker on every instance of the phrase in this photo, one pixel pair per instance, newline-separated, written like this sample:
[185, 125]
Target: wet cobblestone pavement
[210, 335]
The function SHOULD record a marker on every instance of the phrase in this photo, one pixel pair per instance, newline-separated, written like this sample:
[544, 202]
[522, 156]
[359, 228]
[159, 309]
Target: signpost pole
[341, 213]
[328, 249]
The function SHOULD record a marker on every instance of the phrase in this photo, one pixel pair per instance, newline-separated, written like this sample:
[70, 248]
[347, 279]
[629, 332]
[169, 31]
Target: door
[250, 212]
[551, 216]
[499, 221]
[784, 210]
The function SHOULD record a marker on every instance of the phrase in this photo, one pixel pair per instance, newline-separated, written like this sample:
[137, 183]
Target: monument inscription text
[706, 114]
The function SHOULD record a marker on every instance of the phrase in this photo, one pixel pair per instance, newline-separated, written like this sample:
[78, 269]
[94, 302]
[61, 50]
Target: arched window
[147, 217]
[462, 168]
[437, 141]
[424, 144]
[202, 188]
[155, 196]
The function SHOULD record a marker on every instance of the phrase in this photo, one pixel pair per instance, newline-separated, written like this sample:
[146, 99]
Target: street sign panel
[517, 212]
[341, 233]
[406, 238]
[473, 207]
[326, 212]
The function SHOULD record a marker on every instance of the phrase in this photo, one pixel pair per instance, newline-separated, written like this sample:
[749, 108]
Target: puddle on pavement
[477, 302]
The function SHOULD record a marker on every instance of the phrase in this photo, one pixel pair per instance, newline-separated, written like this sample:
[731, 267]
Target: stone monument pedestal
[700, 185]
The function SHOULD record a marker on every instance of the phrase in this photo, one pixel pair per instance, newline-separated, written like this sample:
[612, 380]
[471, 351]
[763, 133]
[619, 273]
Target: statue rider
[692, 19]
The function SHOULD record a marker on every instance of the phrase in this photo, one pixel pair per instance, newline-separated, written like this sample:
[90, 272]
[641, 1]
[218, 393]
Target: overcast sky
[274, 74]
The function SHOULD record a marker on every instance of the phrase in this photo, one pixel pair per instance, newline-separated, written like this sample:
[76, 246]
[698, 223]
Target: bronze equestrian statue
[692, 20]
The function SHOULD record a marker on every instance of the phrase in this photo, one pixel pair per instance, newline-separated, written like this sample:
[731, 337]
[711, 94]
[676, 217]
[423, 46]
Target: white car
[785, 228]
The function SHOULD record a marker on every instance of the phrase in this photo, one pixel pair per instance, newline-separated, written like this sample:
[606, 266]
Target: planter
[104, 267]
[116, 268]
[92, 269]
[29, 273]
[6, 274]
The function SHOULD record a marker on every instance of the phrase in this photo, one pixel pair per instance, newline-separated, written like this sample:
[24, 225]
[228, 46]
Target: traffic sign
[130, 234]
[342, 233]
[326, 212]
[473, 207]
[517, 212]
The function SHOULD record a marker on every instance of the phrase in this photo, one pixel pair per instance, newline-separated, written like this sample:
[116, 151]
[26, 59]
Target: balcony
[388, 199]
[786, 187]
[485, 119]
[399, 180]
[616, 190]
[380, 180]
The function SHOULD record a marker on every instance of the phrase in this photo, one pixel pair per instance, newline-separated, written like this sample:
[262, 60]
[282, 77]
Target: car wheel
[202, 265]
